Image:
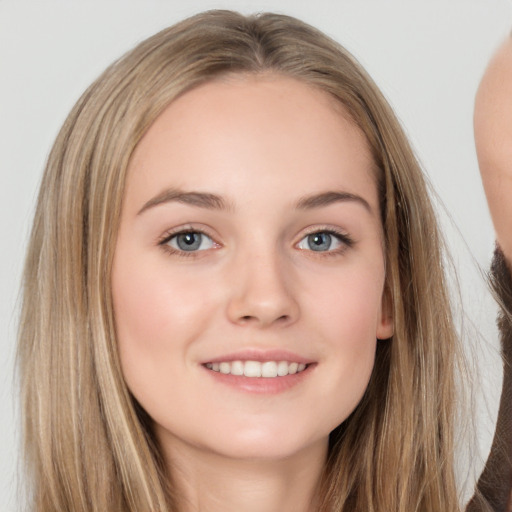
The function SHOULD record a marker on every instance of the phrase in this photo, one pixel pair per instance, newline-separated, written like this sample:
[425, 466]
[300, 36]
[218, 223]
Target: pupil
[189, 241]
[319, 241]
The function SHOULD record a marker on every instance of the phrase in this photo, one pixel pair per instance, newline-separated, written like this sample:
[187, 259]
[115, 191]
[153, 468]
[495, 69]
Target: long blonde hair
[88, 445]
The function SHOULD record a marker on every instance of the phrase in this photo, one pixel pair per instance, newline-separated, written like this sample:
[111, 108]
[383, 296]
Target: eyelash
[164, 241]
[346, 241]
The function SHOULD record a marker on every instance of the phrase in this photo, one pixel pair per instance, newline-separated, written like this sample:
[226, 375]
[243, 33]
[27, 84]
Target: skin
[493, 137]
[262, 144]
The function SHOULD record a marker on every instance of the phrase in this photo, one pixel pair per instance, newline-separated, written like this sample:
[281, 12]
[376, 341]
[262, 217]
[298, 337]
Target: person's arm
[493, 137]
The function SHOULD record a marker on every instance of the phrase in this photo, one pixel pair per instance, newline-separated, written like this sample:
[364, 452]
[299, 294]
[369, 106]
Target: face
[250, 244]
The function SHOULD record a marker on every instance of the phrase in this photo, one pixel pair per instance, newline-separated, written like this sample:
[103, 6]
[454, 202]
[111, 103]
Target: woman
[234, 296]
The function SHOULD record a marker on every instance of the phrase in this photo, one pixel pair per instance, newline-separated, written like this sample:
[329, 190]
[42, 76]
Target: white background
[427, 57]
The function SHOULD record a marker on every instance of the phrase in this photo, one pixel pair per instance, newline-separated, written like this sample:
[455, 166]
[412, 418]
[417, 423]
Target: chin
[262, 444]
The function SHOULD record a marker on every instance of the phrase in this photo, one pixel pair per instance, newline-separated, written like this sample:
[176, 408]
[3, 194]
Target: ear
[386, 325]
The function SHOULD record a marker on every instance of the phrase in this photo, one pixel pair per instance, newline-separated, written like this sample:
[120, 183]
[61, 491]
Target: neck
[207, 481]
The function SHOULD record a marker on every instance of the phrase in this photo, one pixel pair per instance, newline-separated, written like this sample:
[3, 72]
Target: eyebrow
[215, 202]
[200, 199]
[327, 198]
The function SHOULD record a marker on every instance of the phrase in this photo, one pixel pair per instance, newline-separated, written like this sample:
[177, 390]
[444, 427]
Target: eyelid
[182, 229]
[325, 228]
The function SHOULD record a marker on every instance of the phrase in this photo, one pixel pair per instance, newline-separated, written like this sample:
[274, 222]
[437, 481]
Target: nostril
[250, 318]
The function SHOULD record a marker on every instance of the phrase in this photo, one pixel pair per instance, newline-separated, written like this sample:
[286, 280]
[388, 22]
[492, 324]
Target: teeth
[268, 369]
[252, 369]
[237, 368]
[283, 368]
[225, 368]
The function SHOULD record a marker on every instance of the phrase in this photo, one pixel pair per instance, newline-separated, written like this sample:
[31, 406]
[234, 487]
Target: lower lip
[261, 385]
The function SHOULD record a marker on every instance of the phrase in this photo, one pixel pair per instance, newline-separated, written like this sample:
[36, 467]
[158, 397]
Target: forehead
[248, 132]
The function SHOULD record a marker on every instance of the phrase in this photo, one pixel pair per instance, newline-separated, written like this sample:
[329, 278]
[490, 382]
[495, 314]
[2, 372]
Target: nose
[262, 292]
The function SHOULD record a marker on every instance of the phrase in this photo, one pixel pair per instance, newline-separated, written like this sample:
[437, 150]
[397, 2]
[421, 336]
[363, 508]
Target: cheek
[347, 313]
[158, 316]
[147, 306]
[349, 304]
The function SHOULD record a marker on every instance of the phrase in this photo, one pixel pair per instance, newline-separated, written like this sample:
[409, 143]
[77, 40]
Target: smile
[267, 369]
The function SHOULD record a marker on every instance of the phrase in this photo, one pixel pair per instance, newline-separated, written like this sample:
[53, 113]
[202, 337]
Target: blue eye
[190, 241]
[323, 241]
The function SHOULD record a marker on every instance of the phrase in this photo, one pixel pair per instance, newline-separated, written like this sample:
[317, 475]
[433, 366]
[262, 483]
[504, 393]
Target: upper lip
[253, 354]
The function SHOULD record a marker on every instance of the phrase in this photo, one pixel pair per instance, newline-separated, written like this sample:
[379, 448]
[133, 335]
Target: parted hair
[89, 446]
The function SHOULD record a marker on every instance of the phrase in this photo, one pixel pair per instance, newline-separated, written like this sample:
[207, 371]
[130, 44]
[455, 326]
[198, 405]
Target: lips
[259, 371]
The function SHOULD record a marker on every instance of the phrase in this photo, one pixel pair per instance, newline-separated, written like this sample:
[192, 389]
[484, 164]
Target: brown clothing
[493, 489]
